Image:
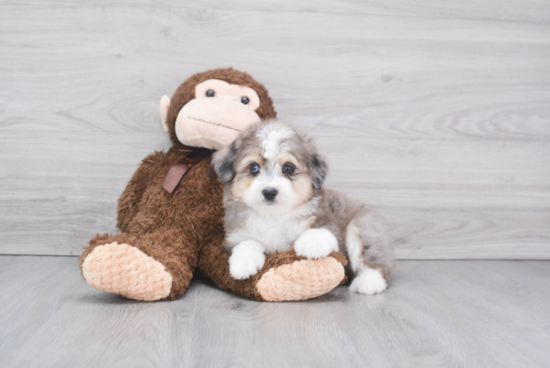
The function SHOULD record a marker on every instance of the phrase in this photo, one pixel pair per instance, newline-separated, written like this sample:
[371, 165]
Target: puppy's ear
[319, 169]
[223, 161]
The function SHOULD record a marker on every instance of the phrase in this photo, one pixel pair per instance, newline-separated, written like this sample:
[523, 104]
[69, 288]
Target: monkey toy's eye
[288, 169]
[210, 93]
[254, 168]
[245, 100]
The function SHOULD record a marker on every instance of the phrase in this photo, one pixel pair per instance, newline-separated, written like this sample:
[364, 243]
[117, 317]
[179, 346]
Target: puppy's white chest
[274, 233]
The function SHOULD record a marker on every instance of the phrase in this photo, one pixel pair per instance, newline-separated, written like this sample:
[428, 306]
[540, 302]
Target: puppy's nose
[269, 193]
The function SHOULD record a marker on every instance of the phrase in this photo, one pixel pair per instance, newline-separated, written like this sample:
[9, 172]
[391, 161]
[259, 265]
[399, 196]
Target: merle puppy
[274, 201]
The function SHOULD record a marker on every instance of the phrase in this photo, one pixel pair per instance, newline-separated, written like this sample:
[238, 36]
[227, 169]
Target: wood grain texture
[454, 206]
[436, 314]
[62, 189]
[436, 114]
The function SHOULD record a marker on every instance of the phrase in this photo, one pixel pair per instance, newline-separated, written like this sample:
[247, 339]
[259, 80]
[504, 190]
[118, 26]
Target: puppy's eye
[210, 93]
[245, 100]
[254, 168]
[288, 169]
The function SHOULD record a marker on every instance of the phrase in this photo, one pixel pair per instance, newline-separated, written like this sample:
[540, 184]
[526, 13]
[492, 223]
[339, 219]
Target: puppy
[274, 201]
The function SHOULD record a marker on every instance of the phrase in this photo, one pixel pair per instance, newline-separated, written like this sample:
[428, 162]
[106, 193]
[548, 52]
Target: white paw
[246, 259]
[369, 282]
[316, 243]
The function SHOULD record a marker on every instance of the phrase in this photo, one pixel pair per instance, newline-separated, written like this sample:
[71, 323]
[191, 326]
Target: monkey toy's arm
[128, 203]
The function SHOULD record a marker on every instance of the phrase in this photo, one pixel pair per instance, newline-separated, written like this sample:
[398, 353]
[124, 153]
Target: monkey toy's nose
[269, 193]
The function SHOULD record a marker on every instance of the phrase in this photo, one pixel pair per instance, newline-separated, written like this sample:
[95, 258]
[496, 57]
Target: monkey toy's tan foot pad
[125, 270]
[301, 280]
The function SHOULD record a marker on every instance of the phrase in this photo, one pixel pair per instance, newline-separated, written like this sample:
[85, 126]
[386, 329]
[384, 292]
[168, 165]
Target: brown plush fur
[179, 228]
[186, 92]
[167, 227]
[218, 271]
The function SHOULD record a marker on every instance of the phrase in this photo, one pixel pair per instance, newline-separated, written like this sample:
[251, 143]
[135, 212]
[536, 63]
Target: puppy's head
[271, 167]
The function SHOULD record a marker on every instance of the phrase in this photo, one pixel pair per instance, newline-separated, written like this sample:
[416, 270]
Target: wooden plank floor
[437, 313]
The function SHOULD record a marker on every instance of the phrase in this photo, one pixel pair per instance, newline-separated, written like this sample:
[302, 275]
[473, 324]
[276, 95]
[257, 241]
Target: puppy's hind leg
[370, 252]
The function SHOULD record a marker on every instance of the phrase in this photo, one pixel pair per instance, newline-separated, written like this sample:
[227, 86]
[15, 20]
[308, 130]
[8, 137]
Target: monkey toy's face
[213, 115]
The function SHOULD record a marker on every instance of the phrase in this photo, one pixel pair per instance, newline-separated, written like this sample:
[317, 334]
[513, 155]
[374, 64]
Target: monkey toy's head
[210, 109]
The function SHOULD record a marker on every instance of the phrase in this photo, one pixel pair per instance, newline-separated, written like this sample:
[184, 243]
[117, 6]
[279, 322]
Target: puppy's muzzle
[270, 194]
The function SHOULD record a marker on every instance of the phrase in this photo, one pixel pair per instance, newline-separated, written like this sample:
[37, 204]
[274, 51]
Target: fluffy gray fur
[323, 208]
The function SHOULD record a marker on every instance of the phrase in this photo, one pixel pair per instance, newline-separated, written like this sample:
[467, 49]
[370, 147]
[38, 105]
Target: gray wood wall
[435, 113]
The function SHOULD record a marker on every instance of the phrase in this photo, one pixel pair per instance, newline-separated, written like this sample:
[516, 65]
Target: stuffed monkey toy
[170, 215]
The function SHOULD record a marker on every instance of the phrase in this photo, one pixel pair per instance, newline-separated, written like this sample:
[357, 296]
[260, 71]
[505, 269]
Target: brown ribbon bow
[176, 172]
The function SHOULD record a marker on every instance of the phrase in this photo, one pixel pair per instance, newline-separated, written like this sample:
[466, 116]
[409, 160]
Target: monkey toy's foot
[125, 270]
[285, 276]
[300, 280]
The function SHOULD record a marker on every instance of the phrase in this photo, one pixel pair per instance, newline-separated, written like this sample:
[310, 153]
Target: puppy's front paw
[247, 258]
[316, 243]
[369, 282]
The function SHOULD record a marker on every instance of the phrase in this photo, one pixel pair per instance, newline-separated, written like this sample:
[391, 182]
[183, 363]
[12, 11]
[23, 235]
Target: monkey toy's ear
[164, 106]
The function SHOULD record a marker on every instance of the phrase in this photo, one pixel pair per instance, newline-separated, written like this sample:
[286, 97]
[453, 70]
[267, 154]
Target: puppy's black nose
[269, 193]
